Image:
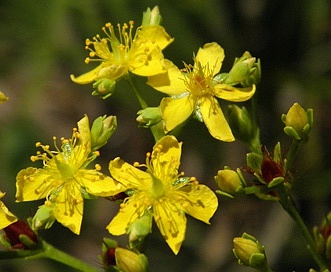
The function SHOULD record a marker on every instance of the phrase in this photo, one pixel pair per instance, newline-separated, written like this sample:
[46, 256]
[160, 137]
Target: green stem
[288, 205]
[55, 254]
[46, 250]
[292, 154]
[134, 87]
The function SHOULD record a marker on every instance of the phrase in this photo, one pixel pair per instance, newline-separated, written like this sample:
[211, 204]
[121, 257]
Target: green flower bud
[298, 122]
[129, 261]
[230, 182]
[151, 17]
[3, 97]
[139, 229]
[102, 129]
[44, 217]
[104, 87]
[242, 126]
[246, 71]
[249, 252]
[149, 116]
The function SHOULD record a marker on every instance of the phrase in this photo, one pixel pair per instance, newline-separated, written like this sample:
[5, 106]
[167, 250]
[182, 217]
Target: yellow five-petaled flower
[162, 191]
[194, 90]
[6, 217]
[140, 54]
[64, 179]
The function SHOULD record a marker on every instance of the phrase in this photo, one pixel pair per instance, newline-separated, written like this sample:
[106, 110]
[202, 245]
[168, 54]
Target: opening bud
[104, 87]
[151, 17]
[249, 252]
[102, 129]
[298, 122]
[149, 116]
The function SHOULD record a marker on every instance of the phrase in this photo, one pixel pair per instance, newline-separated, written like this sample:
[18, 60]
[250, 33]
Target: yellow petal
[153, 36]
[176, 110]
[152, 66]
[130, 177]
[69, 207]
[214, 119]
[97, 183]
[33, 184]
[171, 223]
[171, 83]
[87, 77]
[85, 132]
[3, 97]
[201, 202]
[211, 55]
[6, 217]
[166, 158]
[129, 212]
[233, 94]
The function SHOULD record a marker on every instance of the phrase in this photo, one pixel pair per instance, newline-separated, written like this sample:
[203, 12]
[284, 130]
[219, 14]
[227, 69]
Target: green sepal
[254, 161]
[224, 193]
[25, 240]
[275, 182]
[290, 131]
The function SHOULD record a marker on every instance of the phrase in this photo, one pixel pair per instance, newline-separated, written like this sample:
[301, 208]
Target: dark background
[42, 43]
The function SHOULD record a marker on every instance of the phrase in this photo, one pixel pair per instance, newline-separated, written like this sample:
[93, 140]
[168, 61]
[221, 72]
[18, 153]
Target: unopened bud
[44, 217]
[245, 71]
[104, 88]
[139, 229]
[229, 181]
[298, 122]
[151, 17]
[129, 261]
[249, 252]
[102, 129]
[149, 116]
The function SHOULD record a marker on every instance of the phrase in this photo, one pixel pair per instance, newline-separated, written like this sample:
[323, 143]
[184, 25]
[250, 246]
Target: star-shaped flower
[194, 90]
[64, 180]
[140, 54]
[162, 191]
[6, 217]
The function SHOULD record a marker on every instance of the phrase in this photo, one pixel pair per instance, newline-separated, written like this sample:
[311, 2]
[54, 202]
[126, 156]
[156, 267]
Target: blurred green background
[42, 43]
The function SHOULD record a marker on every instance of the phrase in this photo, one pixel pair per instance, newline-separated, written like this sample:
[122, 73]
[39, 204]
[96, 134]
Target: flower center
[198, 79]
[119, 46]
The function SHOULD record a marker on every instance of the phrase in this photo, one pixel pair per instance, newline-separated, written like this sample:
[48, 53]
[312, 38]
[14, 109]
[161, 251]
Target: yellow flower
[161, 190]
[194, 91]
[140, 54]
[63, 180]
[6, 217]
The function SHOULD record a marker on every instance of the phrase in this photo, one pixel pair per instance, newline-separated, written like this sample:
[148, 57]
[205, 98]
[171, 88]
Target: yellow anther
[38, 144]
[97, 167]
[136, 164]
[97, 153]
[87, 60]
